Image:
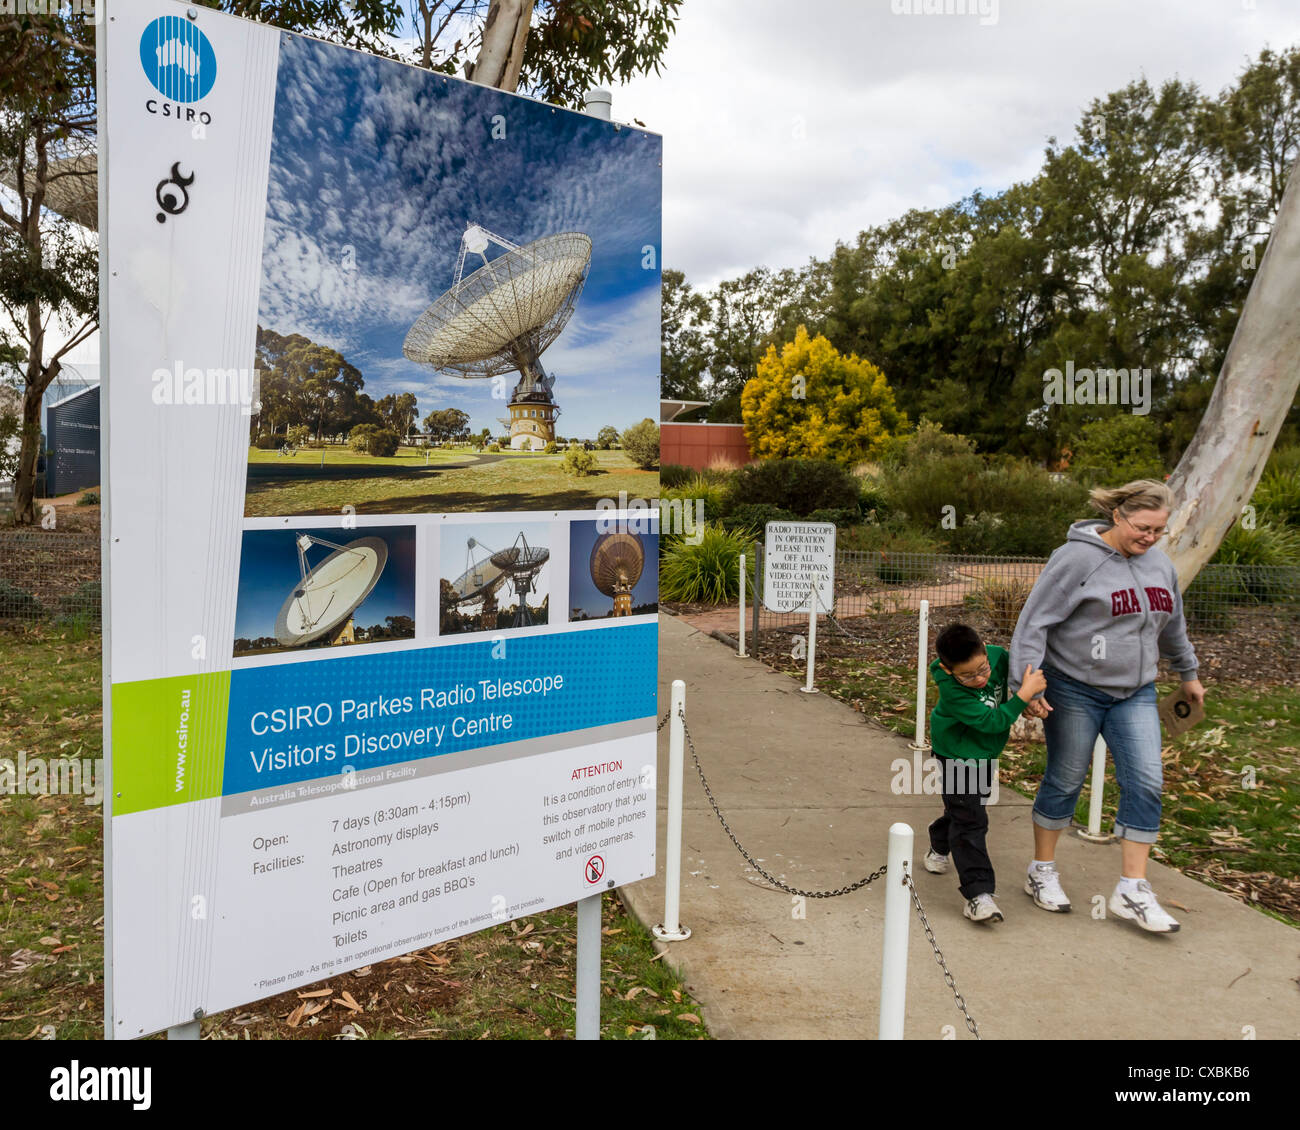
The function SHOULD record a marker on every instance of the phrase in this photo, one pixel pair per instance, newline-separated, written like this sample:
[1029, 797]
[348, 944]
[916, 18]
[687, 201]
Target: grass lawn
[523, 482]
[514, 981]
[345, 456]
[1231, 785]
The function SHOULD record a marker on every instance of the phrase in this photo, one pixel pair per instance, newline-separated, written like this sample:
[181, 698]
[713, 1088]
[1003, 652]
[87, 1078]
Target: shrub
[928, 442]
[268, 442]
[1278, 496]
[550, 448]
[494, 447]
[837, 516]
[578, 461]
[369, 439]
[714, 496]
[18, 604]
[755, 516]
[798, 485]
[707, 572]
[1001, 600]
[673, 474]
[89, 498]
[297, 435]
[85, 601]
[641, 442]
[1117, 449]
[1250, 567]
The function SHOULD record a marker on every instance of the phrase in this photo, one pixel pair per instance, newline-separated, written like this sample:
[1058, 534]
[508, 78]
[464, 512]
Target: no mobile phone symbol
[595, 868]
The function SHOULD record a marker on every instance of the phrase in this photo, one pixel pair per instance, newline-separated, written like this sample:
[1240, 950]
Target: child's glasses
[975, 676]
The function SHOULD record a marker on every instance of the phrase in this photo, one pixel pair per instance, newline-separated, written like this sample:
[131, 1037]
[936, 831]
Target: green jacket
[970, 723]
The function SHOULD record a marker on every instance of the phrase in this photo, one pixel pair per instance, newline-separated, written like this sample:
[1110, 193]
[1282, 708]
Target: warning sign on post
[798, 558]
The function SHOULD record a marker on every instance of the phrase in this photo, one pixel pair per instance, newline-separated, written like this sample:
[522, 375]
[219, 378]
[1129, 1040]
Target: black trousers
[963, 828]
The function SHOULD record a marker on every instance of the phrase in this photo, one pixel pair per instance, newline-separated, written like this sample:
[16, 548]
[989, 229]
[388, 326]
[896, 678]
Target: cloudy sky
[784, 134]
[377, 168]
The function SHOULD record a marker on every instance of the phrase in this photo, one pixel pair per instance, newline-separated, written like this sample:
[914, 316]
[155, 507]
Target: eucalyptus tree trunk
[1221, 467]
[505, 34]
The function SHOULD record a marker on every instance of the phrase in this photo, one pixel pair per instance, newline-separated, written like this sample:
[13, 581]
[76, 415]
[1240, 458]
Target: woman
[1105, 608]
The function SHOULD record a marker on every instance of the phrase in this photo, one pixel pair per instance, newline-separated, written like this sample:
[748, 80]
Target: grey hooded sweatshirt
[1102, 618]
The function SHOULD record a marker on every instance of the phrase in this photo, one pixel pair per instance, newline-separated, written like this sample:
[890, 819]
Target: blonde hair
[1140, 494]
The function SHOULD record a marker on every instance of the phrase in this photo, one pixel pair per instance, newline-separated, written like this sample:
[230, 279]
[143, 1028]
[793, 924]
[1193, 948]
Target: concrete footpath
[804, 782]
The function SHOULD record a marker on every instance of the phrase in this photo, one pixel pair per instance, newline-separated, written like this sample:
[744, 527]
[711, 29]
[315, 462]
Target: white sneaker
[935, 863]
[1140, 906]
[982, 908]
[1044, 885]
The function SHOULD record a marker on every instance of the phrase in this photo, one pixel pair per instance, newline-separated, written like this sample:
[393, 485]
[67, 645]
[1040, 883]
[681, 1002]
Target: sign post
[355, 707]
[799, 572]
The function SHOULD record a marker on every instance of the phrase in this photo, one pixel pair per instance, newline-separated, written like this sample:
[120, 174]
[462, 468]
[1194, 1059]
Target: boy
[968, 729]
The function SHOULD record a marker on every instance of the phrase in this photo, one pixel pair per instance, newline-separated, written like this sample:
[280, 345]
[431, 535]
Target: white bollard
[922, 655]
[808, 687]
[671, 930]
[587, 988]
[1094, 833]
[741, 652]
[898, 918]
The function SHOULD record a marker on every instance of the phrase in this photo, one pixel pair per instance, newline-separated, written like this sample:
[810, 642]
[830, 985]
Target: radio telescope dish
[480, 578]
[521, 562]
[322, 603]
[501, 317]
[616, 563]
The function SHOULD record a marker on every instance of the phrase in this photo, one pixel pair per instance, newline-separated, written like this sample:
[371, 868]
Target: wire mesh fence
[882, 583]
[49, 576]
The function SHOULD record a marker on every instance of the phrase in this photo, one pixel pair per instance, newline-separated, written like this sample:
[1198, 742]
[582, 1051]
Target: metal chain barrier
[938, 956]
[907, 878]
[749, 858]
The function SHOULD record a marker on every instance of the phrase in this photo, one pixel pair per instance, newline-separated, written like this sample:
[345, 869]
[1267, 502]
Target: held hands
[1034, 682]
[1039, 708]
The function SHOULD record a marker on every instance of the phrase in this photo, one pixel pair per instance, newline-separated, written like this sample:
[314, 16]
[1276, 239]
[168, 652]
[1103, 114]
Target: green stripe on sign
[169, 738]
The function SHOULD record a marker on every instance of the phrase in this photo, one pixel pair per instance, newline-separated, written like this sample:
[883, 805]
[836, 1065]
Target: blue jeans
[1131, 728]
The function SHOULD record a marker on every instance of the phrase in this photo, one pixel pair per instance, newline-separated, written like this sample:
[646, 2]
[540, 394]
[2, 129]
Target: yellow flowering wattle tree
[810, 401]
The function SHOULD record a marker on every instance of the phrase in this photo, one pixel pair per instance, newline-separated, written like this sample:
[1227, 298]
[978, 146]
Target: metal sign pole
[922, 654]
[741, 651]
[758, 574]
[893, 957]
[808, 687]
[671, 929]
[587, 1023]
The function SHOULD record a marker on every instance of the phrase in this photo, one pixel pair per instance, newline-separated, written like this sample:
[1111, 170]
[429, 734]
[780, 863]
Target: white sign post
[799, 572]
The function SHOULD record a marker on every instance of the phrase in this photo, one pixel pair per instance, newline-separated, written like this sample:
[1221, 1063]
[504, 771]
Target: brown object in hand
[1179, 713]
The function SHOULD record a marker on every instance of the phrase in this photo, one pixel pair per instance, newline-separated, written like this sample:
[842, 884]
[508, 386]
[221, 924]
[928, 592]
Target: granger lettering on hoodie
[1112, 618]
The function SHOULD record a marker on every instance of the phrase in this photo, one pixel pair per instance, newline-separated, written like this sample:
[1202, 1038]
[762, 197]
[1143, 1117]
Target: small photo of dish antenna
[616, 563]
[501, 317]
[490, 570]
[319, 608]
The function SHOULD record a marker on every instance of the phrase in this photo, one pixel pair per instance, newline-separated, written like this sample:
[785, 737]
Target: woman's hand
[1194, 692]
[1038, 708]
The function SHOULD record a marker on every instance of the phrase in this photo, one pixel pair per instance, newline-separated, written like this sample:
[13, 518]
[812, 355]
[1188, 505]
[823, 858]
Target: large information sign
[798, 563]
[380, 670]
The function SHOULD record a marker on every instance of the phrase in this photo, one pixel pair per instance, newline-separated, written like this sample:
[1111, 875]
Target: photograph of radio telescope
[459, 306]
[323, 588]
[612, 571]
[493, 577]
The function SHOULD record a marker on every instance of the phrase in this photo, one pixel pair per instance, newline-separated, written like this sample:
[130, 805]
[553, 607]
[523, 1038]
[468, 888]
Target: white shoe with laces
[1043, 884]
[982, 908]
[935, 863]
[1139, 905]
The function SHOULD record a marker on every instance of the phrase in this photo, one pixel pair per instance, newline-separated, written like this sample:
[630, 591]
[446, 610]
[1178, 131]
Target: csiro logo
[178, 59]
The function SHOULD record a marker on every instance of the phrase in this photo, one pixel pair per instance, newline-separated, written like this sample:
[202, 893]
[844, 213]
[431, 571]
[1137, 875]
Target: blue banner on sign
[309, 720]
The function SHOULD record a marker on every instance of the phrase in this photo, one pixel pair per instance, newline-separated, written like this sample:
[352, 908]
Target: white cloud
[789, 127]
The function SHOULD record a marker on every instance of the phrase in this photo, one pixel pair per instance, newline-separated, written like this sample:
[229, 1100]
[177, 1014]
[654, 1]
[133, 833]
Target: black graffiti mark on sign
[173, 203]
